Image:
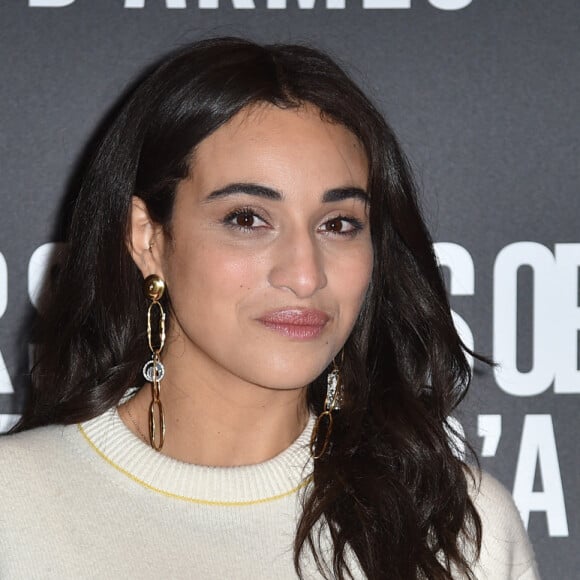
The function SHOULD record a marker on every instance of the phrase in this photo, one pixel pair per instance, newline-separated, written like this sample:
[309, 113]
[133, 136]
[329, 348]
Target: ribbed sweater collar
[278, 477]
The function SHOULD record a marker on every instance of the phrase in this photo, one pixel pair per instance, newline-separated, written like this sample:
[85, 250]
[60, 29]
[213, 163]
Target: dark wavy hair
[392, 490]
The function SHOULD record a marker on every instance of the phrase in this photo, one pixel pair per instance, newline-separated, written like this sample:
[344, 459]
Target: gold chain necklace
[130, 415]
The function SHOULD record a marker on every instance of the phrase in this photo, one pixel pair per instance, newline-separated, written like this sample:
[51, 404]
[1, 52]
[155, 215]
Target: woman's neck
[228, 422]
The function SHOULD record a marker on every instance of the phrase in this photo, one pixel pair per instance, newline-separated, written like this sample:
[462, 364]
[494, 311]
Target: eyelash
[356, 224]
[244, 211]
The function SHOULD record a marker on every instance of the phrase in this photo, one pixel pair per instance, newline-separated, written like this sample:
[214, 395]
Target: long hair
[390, 490]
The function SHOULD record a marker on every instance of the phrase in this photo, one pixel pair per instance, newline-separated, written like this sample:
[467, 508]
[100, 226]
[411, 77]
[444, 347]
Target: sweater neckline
[283, 475]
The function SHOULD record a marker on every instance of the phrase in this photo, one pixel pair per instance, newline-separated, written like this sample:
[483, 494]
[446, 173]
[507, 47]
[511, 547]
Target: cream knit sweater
[94, 501]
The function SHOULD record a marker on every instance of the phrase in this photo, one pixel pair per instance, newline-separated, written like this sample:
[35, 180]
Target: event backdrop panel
[484, 97]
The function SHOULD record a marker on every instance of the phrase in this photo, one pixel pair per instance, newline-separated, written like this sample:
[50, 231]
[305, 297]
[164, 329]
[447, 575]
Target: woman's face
[270, 254]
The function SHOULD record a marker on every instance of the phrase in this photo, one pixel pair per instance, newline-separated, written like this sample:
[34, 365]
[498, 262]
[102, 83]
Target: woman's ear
[145, 239]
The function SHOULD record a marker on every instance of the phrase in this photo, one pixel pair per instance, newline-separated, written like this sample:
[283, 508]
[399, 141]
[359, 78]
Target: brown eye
[245, 220]
[335, 225]
[342, 226]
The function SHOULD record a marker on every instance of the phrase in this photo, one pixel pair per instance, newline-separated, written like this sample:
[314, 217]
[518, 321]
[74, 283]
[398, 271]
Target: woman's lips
[300, 323]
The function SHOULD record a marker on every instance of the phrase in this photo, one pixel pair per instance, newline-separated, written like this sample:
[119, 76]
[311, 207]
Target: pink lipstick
[298, 323]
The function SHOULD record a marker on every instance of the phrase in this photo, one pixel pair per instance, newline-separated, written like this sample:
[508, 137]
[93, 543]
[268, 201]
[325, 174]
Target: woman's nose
[298, 265]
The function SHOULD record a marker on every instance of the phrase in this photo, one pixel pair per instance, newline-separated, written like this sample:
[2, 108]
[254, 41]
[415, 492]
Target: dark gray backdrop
[484, 96]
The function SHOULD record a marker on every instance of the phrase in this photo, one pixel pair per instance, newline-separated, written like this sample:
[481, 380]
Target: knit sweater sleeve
[506, 552]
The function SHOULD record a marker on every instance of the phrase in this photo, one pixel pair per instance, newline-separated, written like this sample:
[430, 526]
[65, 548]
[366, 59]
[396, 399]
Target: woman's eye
[336, 225]
[244, 220]
[342, 225]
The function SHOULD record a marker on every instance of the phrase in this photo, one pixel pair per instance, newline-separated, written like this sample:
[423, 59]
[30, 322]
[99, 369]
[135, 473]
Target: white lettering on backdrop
[41, 263]
[556, 324]
[556, 318]
[50, 3]
[538, 453]
[5, 382]
[270, 4]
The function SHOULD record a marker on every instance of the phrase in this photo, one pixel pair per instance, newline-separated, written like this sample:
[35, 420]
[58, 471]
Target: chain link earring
[153, 371]
[331, 403]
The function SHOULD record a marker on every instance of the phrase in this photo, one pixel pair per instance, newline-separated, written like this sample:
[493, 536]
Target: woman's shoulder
[489, 495]
[25, 455]
[506, 551]
[39, 470]
[40, 437]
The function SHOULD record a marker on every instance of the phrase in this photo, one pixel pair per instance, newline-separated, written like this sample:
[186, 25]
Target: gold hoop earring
[332, 403]
[154, 371]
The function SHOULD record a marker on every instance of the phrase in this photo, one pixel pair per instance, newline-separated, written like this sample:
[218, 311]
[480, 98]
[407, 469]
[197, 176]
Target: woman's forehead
[269, 142]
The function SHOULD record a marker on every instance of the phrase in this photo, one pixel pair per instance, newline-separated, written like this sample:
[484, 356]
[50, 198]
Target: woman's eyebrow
[329, 196]
[342, 193]
[248, 189]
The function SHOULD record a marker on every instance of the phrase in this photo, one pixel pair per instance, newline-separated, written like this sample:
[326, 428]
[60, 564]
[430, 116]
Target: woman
[293, 353]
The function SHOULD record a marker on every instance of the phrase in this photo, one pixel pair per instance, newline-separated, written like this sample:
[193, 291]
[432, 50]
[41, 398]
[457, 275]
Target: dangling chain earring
[331, 403]
[153, 371]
